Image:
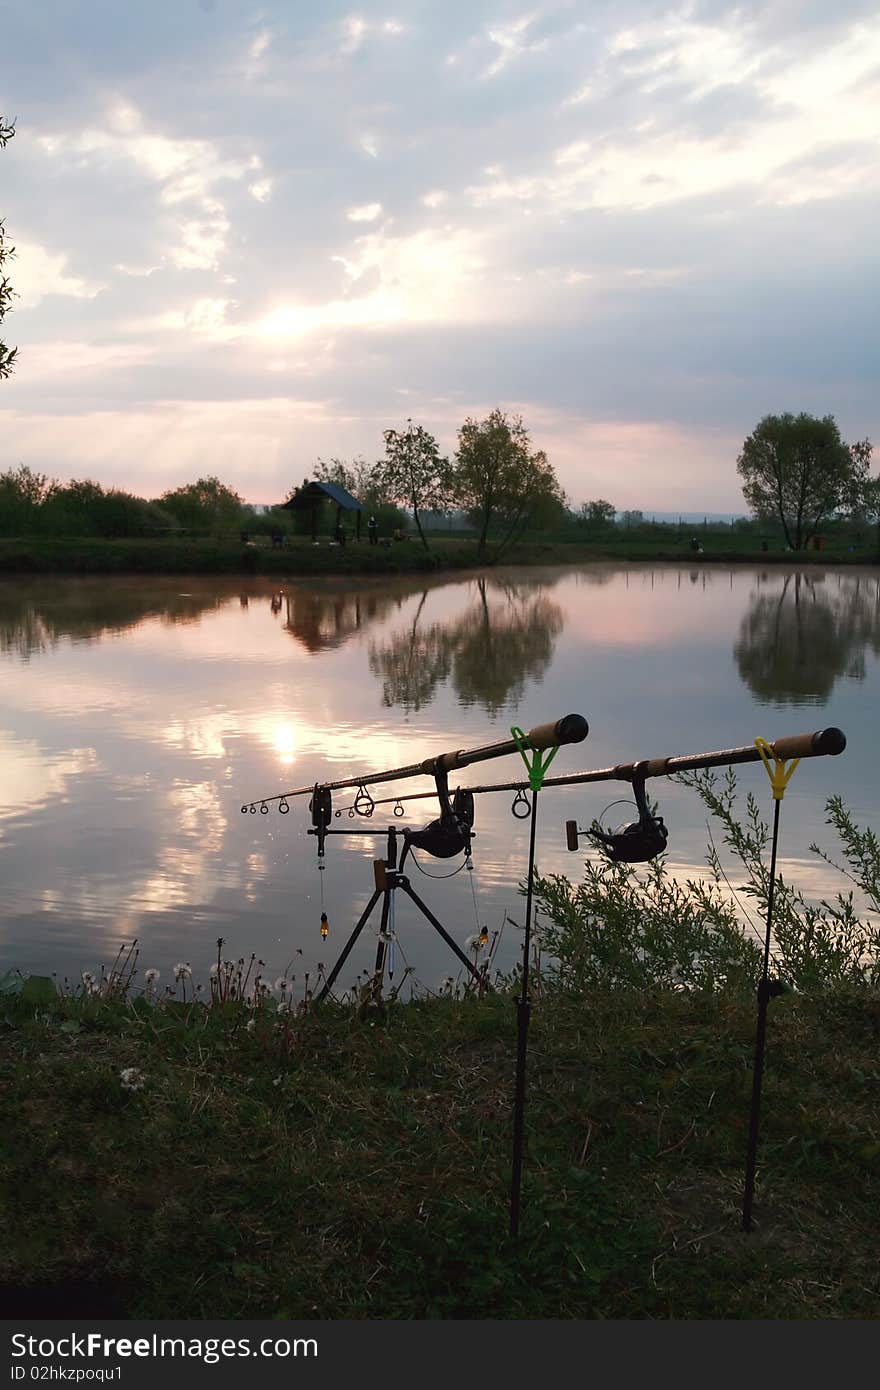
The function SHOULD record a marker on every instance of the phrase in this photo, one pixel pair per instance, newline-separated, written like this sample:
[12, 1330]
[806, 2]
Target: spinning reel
[636, 843]
[450, 833]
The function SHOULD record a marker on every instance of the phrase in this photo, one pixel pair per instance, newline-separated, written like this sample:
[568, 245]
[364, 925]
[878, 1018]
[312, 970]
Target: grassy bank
[209, 556]
[356, 1165]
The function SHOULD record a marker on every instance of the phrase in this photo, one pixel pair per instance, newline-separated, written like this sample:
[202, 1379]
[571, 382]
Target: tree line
[497, 479]
[799, 476]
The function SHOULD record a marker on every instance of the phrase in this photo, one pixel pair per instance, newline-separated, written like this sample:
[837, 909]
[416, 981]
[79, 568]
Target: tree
[864, 499]
[598, 513]
[497, 477]
[413, 473]
[85, 508]
[798, 469]
[7, 355]
[203, 505]
[22, 495]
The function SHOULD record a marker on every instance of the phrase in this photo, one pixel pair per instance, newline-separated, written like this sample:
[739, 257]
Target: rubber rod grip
[571, 834]
[571, 728]
[824, 742]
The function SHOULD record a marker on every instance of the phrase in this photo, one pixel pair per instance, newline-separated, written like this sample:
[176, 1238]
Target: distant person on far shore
[373, 530]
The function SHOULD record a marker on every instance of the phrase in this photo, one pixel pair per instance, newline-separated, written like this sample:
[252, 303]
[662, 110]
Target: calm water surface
[136, 716]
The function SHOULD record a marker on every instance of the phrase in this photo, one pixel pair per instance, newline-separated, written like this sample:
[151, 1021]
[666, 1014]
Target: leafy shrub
[639, 927]
[815, 945]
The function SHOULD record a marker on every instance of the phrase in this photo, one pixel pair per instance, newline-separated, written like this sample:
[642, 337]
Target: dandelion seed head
[151, 976]
[132, 1079]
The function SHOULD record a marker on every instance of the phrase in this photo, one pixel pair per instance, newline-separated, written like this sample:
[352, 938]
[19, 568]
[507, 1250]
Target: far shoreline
[27, 558]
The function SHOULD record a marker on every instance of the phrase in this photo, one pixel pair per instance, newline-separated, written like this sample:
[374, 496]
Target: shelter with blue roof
[310, 496]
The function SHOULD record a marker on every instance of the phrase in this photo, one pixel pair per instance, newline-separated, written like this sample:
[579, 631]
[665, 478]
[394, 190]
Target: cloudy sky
[250, 234]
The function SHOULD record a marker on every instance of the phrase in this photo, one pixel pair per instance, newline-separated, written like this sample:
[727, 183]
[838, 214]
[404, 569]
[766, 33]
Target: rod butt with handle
[571, 728]
[825, 742]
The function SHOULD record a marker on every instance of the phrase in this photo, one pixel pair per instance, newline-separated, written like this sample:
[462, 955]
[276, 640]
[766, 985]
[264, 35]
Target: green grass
[41, 555]
[357, 1166]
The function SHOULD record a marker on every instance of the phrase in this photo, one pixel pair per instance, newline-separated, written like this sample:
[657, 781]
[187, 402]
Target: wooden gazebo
[309, 497]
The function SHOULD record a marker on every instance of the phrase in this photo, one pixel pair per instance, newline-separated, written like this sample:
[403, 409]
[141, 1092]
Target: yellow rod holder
[780, 774]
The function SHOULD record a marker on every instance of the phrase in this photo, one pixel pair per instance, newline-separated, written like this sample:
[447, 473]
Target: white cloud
[261, 190]
[370, 145]
[187, 171]
[60, 358]
[202, 243]
[260, 44]
[367, 213]
[435, 199]
[510, 39]
[354, 31]
[139, 272]
[427, 277]
[39, 273]
[205, 318]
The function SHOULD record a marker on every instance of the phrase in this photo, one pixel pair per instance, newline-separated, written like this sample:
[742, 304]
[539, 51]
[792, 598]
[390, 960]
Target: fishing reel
[635, 843]
[450, 833]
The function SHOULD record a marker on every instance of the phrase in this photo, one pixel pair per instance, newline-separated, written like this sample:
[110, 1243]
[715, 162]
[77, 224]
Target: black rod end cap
[571, 728]
[831, 741]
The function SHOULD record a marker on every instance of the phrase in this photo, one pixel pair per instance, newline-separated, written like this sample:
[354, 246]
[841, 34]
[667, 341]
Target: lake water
[138, 715]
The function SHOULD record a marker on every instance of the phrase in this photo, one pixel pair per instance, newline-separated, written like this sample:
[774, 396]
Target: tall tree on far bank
[413, 473]
[798, 469]
[598, 513]
[498, 478]
[7, 355]
[203, 505]
[865, 494]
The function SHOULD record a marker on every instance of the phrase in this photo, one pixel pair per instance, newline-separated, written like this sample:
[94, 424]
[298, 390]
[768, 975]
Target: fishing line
[412, 855]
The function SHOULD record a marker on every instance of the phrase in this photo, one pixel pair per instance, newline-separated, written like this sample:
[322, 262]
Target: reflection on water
[35, 617]
[126, 760]
[802, 632]
[504, 637]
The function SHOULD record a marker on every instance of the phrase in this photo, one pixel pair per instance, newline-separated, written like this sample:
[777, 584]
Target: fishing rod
[823, 742]
[571, 728]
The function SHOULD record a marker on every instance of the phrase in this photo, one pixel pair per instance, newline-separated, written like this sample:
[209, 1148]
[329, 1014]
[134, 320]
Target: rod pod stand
[536, 769]
[780, 775]
[389, 877]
